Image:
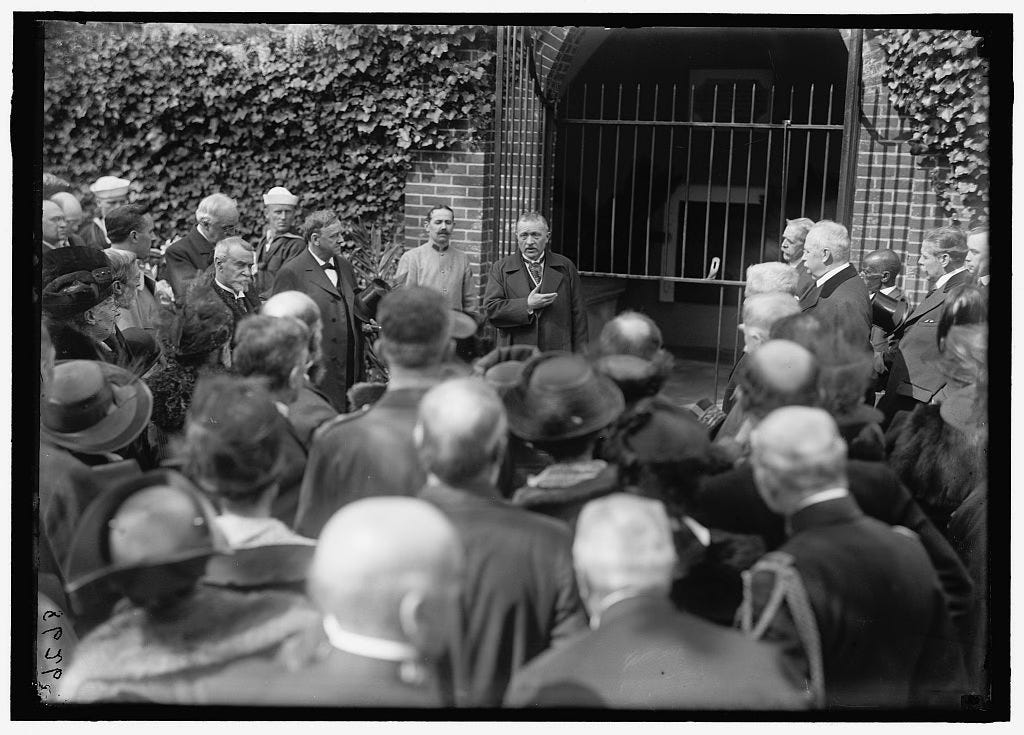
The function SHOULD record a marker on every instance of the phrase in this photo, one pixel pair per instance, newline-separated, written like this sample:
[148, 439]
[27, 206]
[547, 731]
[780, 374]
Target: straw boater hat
[280, 195]
[560, 396]
[94, 407]
[110, 187]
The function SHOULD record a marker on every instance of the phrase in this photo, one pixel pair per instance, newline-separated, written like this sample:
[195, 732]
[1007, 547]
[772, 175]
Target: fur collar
[215, 627]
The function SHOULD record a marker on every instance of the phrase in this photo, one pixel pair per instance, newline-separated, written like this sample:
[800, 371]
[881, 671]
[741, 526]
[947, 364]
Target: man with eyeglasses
[322, 273]
[216, 219]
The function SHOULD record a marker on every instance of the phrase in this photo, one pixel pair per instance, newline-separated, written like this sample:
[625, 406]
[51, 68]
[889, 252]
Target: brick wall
[894, 203]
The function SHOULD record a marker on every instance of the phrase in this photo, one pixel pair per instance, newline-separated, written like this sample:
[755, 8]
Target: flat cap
[280, 195]
[109, 187]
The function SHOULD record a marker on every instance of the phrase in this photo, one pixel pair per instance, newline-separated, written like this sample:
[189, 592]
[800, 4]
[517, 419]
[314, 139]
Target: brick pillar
[894, 203]
[460, 180]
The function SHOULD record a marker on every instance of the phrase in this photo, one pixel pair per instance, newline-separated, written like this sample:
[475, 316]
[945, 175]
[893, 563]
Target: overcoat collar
[827, 513]
[838, 279]
[555, 266]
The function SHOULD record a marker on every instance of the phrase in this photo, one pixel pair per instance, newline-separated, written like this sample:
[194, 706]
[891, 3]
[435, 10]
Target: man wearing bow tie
[534, 296]
[325, 276]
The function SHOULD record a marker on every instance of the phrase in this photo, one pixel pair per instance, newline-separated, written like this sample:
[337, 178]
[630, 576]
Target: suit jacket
[842, 303]
[520, 596]
[730, 502]
[915, 372]
[308, 411]
[342, 337]
[93, 236]
[360, 455]
[560, 326]
[205, 284]
[270, 256]
[885, 635]
[648, 655]
[185, 259]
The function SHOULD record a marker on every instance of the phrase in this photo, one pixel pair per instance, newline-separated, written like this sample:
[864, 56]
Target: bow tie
[329, 266]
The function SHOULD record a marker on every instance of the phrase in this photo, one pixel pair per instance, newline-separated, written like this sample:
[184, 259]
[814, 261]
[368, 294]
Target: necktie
[536, 271]
[242, 304]
[329, 266]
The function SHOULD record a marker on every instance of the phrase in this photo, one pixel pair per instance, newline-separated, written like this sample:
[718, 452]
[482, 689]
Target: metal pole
[851, 130]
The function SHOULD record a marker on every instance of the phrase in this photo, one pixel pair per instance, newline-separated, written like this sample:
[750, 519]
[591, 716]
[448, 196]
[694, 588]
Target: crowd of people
[230, 513]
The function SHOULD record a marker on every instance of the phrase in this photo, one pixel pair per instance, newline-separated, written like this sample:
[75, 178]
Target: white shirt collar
[238, 295]
[820, 497]
[941, 281]
[821, 281]
[888, 290]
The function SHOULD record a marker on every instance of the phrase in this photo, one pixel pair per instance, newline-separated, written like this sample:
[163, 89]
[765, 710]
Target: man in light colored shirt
[438, 265]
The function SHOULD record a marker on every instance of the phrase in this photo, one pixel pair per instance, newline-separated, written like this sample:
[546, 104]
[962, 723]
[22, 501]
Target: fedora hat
[94, 407]
[560, 396]
[160, 533]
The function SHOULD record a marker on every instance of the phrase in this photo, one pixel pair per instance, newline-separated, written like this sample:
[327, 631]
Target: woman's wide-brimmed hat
[94, 407]
[561, 396]
[174, 525]
[75, 279]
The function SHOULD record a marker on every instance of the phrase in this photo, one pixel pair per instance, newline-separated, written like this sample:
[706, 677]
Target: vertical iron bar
[851, 128]
[499, 90]
[807, 153]
[718, 336]
[787, 134]
[597, 189]
[523, 130]
[711, 170]
[739, 318]
[650, 188]
[511, 129]
[564, 180]
[828, 140]
[767, 175]
[579, 191]
[686, 206]
[746, 193]
[668, 179]
[615, 174]
[728, 183]
[632, 189]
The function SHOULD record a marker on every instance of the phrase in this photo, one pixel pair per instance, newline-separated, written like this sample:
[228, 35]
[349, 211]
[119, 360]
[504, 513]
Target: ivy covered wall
[333, 112]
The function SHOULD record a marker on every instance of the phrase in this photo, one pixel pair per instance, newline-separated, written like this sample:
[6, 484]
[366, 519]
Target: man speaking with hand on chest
[534, 297]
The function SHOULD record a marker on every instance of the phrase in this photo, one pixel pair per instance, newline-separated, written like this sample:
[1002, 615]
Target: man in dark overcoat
[520, 596]
[186, 258]
[839, 298]
[534, 296]
[862, 607]
[322, 273]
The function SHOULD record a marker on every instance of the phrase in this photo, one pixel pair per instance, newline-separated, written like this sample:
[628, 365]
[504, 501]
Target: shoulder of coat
[341, 418]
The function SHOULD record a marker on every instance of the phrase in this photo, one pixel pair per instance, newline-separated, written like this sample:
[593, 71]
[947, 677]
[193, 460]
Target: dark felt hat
[75, 279]
[561, 396]
[163, 535]
[93, 406]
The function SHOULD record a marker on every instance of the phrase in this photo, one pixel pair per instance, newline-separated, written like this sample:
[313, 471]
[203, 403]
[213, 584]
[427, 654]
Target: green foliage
[939, 84]
[333, 112]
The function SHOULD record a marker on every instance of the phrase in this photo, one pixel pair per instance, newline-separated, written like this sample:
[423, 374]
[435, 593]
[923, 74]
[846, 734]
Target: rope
[789, 588]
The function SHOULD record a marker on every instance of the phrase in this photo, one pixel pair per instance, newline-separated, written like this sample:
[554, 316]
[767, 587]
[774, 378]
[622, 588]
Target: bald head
[71, 207]
[631, 333]
[461, 432]
[796, 451]
[779, 373]
[55, 224]
[377, 556]
[152, 525]
[879, 269]
[623, 542]
[294, 304]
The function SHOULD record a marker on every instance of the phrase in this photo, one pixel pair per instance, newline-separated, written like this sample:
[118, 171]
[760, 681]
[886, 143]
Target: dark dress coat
[560, 326]
[842, 303]
[204, 285]
[271, 256]
[342, 338]
[914, 374]
[92, 235]
[647, 655]
[520, 596]
[185, 259]
[730, 502]
[886, 639]
[360, 455]
[310, 409]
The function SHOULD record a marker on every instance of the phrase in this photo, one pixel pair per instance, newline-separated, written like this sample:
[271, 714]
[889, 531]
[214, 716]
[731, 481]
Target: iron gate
[690, 186]
[523, 126]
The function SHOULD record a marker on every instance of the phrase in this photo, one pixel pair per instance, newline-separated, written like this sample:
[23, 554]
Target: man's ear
[413, 618]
